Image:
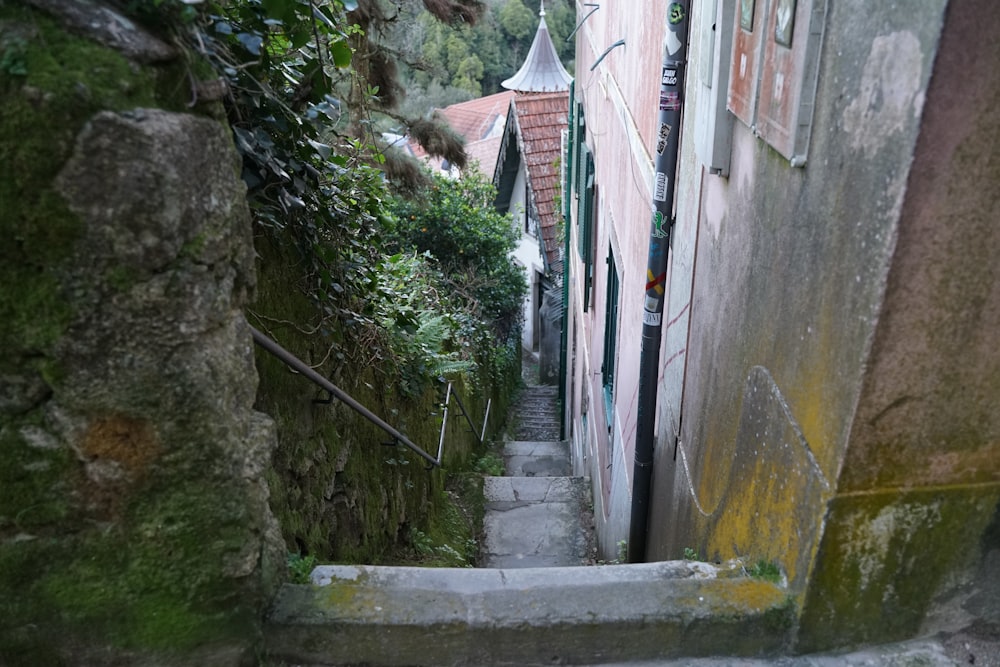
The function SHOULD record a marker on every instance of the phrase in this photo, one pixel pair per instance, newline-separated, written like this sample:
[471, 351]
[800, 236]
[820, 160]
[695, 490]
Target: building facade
[826, 383]
[527, 178]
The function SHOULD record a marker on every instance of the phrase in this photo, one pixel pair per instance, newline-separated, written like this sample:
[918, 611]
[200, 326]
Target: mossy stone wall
[340, 492]
[134, 526]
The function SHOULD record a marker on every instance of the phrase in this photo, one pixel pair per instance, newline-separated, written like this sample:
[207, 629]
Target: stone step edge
[562, 489]
[555, 615]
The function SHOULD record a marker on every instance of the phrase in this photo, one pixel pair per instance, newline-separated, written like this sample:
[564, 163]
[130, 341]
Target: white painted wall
[526, 254]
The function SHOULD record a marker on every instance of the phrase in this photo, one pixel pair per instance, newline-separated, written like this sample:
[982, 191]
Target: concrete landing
[669, 614]
[535, 522]
[534, 616]
[537, 459]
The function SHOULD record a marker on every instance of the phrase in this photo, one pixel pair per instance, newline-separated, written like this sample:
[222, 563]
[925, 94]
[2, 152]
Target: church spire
[541, 72]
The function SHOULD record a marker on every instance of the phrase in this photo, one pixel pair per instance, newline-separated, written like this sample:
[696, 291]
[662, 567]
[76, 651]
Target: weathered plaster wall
[839, 407]
[134, 526]
[528, 256]
[919, 486]
[788, 287]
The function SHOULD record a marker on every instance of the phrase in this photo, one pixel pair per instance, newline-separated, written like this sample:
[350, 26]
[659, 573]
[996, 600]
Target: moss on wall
[885, 556]
[53, 83]
[121, 538]
[338, 491]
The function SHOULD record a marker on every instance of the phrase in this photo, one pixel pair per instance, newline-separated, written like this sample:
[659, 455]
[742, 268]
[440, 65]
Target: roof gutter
[664, 187]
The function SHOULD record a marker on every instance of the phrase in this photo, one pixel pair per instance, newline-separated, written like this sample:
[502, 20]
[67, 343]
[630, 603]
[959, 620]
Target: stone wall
[134, 524]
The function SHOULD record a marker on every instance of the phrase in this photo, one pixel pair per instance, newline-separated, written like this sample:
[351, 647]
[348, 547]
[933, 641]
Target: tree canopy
[305, 86]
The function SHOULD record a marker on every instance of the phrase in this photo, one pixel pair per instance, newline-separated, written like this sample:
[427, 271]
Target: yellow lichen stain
[340, 595]
[760, 520]
[812, 398]
[717, 458]
[735, 597]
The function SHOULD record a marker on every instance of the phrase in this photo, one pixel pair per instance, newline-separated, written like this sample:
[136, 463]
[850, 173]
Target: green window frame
[610, 335]
[585, 221]
[569, 157]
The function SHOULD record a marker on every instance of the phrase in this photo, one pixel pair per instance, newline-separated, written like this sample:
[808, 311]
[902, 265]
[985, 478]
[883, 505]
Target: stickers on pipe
[659, 222]
[670, 101]
[676, 13]
[660, 191]
[661, 138]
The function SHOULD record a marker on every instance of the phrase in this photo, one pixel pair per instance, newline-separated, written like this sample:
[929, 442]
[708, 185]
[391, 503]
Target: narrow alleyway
[538, 514]
[530, 604]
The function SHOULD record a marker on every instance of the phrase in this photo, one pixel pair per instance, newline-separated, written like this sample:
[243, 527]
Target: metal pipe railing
[297, 364]
[468, 419]
[486, 419]
[444, 421]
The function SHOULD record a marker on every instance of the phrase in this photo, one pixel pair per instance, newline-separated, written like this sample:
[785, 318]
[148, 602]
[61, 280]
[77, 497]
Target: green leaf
[323, 150]
[281, 10]
[341, 52]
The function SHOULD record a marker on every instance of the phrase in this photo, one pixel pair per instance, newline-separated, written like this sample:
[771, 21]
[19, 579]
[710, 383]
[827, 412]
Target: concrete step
[537, 459]
[536, 522]
[394, 616]
[914, 653]
[540, 390]
[547, 417]
[537, 431]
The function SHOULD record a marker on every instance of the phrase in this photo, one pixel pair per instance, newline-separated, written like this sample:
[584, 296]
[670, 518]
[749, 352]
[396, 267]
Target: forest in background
[445, 64]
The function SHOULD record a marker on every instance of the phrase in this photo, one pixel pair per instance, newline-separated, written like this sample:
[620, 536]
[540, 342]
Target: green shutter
[586, 223]
[580, 139]
[569, 159]
[610, 334]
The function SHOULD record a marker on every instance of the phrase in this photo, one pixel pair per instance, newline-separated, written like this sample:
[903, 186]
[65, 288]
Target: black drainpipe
[664, 186]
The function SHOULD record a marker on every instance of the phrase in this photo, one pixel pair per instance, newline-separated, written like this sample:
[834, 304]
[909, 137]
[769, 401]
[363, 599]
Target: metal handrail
[297, 364]
[461, 406]
[472, 428]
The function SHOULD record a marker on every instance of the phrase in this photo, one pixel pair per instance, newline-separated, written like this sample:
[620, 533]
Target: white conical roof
[541, 72]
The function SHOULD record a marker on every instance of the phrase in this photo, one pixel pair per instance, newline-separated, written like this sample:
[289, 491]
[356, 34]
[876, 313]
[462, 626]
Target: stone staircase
[530, 602]
[538, 515]
[537, 414]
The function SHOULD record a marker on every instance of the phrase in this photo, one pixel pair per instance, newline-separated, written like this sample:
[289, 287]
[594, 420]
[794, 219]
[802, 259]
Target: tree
[469, 74]
[455, 222]
[458, 51]
[517, 20]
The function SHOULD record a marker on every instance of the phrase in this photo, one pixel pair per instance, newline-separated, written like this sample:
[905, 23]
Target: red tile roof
[541, 119]
[474, 119]
[480, 122]
[485, 152]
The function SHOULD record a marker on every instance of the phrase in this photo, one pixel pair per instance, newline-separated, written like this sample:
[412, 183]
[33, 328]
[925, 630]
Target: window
[578, 141]
[585, 220]
[580, 177]
[774, 69]
[610, 335]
